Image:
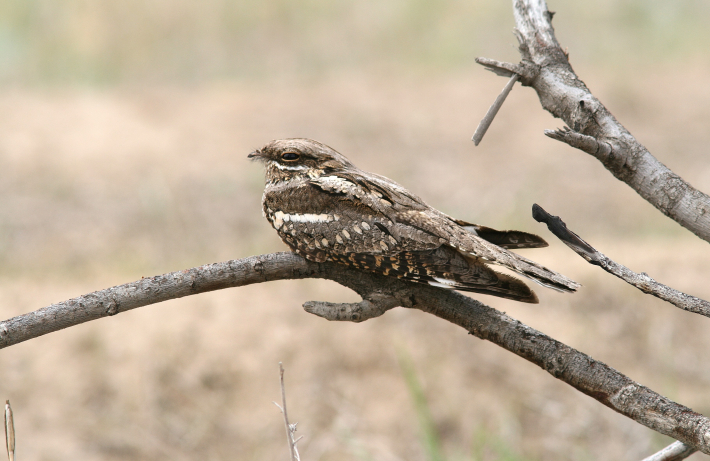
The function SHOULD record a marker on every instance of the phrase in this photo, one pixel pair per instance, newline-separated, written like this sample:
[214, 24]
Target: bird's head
[285, 158]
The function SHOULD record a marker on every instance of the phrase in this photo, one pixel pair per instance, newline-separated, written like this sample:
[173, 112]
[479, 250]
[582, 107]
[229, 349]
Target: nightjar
[326, 209]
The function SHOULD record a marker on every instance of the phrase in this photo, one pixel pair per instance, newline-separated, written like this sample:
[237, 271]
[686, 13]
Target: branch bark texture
[546, 68]
[589, 376]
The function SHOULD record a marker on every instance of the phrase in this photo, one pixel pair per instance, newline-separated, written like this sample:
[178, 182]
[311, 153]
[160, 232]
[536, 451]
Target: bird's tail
[442, 267]
[536, 272]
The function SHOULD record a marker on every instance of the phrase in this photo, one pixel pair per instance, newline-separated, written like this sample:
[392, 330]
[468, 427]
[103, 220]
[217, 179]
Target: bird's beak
[254, 154]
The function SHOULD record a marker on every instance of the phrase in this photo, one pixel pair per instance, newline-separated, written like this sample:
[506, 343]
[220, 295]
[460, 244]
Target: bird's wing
[442, 267]
[380, 194]
[373, 236]
[469, 243]
[398, 221]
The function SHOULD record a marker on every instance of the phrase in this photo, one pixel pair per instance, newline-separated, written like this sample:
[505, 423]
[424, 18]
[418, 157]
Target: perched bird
[326, 209]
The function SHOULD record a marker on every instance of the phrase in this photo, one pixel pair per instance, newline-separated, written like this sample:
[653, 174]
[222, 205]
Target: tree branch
[676, 451]
[641, 281]
[587, 375]
[9, 432]
[546, 68]
[290, 428]
[493, 110]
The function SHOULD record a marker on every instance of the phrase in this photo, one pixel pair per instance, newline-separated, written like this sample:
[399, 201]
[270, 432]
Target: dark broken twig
[641, 281]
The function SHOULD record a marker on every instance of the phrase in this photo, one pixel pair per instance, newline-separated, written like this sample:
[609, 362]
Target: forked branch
[545, 67]
[587, 375]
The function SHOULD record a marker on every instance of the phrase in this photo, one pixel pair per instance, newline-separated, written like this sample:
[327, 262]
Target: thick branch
[641, 281]
[545, 67]
[589, 376]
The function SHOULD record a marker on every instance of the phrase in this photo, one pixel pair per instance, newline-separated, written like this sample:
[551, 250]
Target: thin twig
[641, 281]
[9, 432]
[290, 428]
[676, 451]
[493, 110]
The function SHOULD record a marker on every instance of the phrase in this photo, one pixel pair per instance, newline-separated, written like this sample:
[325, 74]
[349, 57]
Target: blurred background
[124, 130]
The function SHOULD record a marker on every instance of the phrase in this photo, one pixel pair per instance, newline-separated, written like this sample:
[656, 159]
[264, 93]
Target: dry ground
[99, 188]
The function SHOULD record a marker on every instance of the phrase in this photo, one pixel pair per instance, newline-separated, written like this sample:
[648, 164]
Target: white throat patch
[280, 217]
[290, 167]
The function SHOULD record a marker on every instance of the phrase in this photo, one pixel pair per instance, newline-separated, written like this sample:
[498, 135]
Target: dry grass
[103, 187]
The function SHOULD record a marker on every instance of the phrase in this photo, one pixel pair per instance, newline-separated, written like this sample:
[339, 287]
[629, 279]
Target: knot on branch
[584, 113]
[112, 307]
[372, 305]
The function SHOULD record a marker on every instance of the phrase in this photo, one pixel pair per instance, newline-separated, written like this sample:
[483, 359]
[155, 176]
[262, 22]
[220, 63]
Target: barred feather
[443, 267]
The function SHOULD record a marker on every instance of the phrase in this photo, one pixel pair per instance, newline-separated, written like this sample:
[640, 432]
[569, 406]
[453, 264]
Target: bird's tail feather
[538, 273]
[443, 267]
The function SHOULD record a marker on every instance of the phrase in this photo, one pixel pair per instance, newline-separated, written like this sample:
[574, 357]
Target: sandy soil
[101, 187]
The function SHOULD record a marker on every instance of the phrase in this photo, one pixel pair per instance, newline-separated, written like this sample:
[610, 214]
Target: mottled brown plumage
[326, 209]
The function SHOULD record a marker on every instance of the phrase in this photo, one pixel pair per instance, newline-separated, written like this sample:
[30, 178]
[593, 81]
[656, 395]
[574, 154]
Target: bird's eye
[290, 156]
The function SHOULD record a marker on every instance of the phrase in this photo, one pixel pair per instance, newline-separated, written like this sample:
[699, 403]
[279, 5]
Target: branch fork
[545, 67]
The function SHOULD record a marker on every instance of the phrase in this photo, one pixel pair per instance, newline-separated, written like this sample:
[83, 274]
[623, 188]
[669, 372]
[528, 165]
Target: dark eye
[290, 156]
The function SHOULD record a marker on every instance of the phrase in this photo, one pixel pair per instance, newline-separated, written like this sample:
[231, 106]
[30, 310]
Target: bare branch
[641, 281]
[493, 110]
[9, 432]
[587, 375]
[290, 428]
[676, 451]
[546, 68]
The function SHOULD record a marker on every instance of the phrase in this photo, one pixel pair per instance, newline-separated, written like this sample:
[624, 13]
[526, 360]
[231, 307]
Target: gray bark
[676, 451]
[545, 67]
[379, 294]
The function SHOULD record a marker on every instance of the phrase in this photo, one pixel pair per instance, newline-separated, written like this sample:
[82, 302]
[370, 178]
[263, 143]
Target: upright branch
[591, 127]
[9, 432]
[381, 293]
